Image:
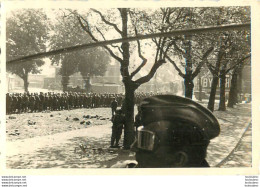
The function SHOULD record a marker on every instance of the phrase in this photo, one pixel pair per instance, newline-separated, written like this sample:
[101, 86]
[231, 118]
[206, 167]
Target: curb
[233, 150]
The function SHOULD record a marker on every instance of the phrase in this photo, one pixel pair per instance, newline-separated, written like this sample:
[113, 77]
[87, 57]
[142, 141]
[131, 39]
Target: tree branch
[176, 67]
[119, 49]
[177, 48]
[170, 44]
[141, 56]
[211, 68]
[107, 22]
[87, 30]
[206, 54]
[162, 52]
[148, 77]
[240, 61]
[175, 20]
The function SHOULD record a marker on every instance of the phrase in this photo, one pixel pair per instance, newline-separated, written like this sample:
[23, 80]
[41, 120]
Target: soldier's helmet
[173, 120]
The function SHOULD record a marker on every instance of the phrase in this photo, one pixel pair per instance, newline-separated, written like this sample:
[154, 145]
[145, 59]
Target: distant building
[244, 83]
[110, 82]
[36, 80]
[15, 83]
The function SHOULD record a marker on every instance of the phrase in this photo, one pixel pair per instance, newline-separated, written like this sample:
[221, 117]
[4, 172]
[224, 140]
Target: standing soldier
[93, 101]
[51, 102]
[97, 100]
[81, 100]
[113, 106]
[37, 102]
[137, 122]
[70, 97]
[32, 102]
[118, 123]
[42, 98]
[8, 103]
[45, 103]
[25, 101]
[54, 102]
[76, 101]
[19, 104]
[14, 103]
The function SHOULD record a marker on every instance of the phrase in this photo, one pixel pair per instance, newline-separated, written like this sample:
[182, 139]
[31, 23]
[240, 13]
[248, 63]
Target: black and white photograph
[128, 87]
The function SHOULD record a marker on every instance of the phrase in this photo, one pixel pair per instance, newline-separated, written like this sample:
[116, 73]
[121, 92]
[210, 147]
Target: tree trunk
[239, 84]
[65, 82]
[214, 83]
[188, 86]
[129, 133]
[25, 82]
[213, 90]
[232, 99]
[188, 81]
[87, 84]
[200, 89]
[222, 99]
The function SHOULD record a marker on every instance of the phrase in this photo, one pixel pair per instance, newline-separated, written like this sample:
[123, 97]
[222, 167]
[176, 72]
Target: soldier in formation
[38, 102]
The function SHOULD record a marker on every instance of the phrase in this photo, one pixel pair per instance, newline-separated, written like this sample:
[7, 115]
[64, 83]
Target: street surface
[58, 140]
[242, 155]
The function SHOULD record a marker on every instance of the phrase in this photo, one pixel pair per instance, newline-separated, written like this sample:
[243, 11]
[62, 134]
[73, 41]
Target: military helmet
[181, 111]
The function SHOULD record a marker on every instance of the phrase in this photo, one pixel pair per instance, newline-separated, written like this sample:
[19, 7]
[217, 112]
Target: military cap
[176, 108]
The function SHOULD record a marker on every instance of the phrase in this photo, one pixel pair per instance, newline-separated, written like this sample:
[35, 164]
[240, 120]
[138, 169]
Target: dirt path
[62, 150]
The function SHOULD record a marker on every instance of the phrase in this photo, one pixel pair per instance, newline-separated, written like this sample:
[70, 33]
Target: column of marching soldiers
[17, 103]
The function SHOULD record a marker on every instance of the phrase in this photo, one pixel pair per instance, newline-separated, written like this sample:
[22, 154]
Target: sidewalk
[233, 123]
[62, 150]
[242, 155]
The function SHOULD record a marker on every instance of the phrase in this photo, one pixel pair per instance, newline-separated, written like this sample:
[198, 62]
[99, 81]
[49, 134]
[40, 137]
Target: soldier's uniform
[25, 101]
[8, 103]
[32, 102]
[19, 103]
[118, 123]
[70, 101]
[37, 103]
[14, 103]
[113, 106]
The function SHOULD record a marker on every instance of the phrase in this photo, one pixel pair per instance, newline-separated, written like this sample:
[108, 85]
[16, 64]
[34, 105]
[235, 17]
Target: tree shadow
[95, 154]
